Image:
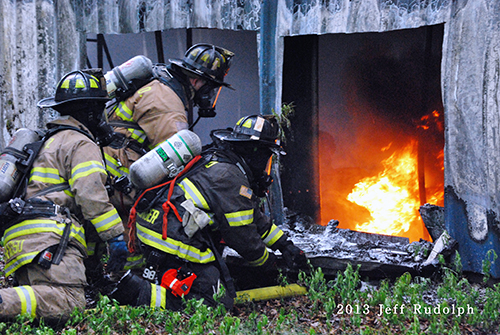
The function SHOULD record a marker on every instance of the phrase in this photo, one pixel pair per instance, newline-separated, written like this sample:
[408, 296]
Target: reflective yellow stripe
[79, 83]
[158, 297]
[247, 124]
[46, 175]
[91, 247]
[127, 115]
[29, 227]
[114, 167]
[173, 247]
[28, 300]
[274, 234]
[19, 261]
[106, 221]
[137, 135]
[134, 262]
[93, 82]
[261, 260]
[65, 84]
[124, 112]
[191, 192]
[85, 169]
[241, 218]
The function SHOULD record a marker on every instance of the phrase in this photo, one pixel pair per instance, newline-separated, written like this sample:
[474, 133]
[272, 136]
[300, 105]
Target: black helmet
[76, 86]
[206, 61]
[252, 129]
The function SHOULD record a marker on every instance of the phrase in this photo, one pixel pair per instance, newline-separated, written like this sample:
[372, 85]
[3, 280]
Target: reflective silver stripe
[17, 262]
[113, 167]
[28, 300]
[54, 178]
[85, 169]
[110, 218]
[41, 226]
[124, 112]
[261, 260]
[273, 236]
[240, 218]
[138, 135]
[194, 194]
[158, 296]
[134, 262]
[174, 247]
[126, 115]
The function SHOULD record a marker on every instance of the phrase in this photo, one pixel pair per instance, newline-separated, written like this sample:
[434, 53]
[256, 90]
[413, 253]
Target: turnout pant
[49, 293]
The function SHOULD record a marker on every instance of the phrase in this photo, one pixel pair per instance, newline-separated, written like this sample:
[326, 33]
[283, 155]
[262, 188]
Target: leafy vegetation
[449, 304]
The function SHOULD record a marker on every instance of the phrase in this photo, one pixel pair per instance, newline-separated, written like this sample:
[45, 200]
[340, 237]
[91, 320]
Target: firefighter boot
[128, 289]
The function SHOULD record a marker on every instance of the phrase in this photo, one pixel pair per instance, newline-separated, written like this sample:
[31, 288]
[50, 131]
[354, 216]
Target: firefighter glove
[294, 257]
[118, 253]
[271, 263]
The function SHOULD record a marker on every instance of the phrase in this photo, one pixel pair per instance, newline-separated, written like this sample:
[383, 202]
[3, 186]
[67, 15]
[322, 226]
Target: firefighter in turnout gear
[158, 109]
[66, 188]
[215, 198]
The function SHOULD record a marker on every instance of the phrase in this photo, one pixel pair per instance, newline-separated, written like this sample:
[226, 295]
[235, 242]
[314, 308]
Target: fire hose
[270, 292]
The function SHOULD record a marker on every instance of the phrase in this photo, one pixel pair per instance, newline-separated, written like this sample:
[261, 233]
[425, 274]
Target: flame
[391, 197]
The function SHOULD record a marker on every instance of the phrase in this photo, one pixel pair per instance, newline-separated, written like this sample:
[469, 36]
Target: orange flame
[391, 197]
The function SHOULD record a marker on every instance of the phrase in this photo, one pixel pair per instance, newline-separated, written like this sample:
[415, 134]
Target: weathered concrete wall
[133, 16]
[354, 16]
[39, 40]
[470, 88]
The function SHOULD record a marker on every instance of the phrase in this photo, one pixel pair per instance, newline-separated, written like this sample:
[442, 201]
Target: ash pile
[378, 256]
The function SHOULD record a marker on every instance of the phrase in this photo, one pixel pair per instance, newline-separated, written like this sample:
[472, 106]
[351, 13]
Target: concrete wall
[470, 87]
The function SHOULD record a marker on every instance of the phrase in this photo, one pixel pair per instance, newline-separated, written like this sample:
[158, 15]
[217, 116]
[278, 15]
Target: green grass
[406, 305]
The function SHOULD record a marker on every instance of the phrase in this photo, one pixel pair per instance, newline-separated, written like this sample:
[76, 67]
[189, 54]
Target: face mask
[105, 136]
[103, 132]
[204, 99]
[259, 161]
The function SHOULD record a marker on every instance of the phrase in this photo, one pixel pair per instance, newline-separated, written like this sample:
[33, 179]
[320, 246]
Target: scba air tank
[123, 80]
[166, 160]
[9, 173]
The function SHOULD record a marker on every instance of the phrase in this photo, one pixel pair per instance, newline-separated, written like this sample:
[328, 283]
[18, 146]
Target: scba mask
[264, 181]
[259, 159]
[206, 99]
[105, 135]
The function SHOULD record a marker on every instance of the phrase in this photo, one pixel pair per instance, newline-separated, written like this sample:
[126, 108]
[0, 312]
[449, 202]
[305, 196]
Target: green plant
[490, 258]
[287, 111]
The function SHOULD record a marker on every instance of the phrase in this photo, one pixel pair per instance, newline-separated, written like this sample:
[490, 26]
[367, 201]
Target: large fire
[371, 186]
[392, 197]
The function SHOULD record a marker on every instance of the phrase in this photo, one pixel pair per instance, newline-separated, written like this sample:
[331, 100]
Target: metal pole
[159, 47]
[267, 86]
[267, 57]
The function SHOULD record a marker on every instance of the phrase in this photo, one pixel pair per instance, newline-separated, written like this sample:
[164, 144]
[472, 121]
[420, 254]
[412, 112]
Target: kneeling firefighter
[214, 202]
[44, 237]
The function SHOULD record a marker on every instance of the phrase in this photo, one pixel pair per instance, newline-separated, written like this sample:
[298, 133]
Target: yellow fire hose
[259, 294]
[271, 292]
